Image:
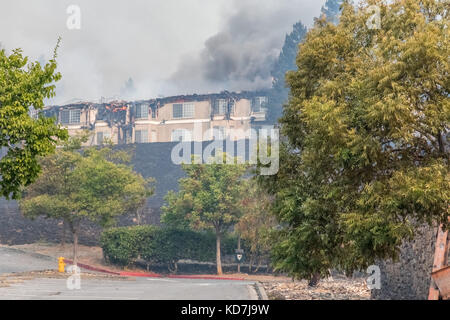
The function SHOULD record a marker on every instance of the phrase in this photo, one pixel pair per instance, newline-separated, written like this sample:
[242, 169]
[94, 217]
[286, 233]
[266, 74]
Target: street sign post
[239, 255]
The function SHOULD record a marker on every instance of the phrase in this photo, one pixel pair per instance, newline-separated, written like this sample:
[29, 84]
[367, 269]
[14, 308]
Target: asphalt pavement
[16, 261]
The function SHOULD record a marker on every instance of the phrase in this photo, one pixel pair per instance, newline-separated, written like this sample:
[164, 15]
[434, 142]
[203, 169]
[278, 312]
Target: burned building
[164, 119]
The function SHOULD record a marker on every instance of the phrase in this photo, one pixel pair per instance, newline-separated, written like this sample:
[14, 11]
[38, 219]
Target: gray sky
[166, 46]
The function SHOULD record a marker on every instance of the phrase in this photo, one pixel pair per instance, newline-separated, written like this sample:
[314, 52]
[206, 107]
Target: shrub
[123, 246]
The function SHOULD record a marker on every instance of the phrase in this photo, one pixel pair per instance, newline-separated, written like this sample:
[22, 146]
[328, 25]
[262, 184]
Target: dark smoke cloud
[166, 47]
[241, 55]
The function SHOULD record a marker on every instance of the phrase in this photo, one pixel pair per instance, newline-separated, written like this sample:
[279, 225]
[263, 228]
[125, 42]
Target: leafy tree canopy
[366, 156]
[210, 198]
[86, 185]
[23, 87]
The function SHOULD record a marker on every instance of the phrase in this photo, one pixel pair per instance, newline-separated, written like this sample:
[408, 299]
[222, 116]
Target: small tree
[24, 86]
[210, 198]
[76, 186]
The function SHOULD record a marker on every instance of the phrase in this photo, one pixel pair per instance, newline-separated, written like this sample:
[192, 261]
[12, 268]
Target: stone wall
[410, 277]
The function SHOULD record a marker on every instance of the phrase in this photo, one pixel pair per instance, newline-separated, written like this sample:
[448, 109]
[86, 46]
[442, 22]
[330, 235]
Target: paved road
[138, 289]
[13, 261]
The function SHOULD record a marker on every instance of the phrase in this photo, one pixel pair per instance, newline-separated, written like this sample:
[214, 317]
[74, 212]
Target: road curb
[92, 268]
[261, 291]
[140, 274]
[204, 277]
[150, 275]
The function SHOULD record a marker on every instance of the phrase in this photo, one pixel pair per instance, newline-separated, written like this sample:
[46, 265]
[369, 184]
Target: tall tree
[209, 199]
[285, 63]
[23, 87]
[77, 186]
[332, 10]
[367, 128]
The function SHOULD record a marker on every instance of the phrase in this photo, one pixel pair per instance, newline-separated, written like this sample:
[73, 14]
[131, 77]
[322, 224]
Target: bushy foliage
[85, 184]
[23, 86]
[366, 127]
[210, 198]
[157, 245]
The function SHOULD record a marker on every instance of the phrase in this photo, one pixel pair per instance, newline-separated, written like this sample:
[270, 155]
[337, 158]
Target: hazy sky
[166, 46]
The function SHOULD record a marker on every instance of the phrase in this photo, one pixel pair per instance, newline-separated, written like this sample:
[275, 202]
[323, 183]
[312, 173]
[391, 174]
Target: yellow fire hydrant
[61, 264]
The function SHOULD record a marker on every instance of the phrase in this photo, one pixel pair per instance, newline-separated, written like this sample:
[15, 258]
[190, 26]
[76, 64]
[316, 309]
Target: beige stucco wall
[161, 127]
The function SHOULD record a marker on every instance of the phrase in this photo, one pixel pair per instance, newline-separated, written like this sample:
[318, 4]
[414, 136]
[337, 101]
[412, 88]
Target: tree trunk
[314, 280]
[250, 264]
[218, 258]
[63, 237]
[75, 247]
[139, 216]
[258, 265]
[173, 269]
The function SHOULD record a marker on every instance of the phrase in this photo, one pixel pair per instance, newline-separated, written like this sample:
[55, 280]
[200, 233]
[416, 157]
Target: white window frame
[187, 111]
[259, 102]
[143, 136]
[222, 105]
[140, 114]
[72, 116]
[105, 135]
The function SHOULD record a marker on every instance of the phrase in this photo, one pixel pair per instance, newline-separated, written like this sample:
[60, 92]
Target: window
[101, 136]
[181, 135]
[142, 111]
[154, 114]
[141, 136]
[183, 110]
[220, 107]
[177, 111]
[259, 103]
[70, 116]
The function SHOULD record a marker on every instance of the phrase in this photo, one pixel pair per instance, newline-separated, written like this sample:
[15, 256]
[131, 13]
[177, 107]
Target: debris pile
[327, 289]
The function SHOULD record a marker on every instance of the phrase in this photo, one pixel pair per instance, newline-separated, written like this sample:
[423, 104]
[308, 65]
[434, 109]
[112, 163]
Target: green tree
[366, 156]
[286, 62]
[23, 87]
[76, 186]
[209, 199]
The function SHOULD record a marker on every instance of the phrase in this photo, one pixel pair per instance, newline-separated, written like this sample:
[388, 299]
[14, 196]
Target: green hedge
[123, 246]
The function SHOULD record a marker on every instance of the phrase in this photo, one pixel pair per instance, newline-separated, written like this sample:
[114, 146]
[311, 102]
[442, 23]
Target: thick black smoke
[167, 47]
[241, 55]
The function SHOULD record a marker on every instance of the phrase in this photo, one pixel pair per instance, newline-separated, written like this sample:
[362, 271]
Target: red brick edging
[150, 275]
